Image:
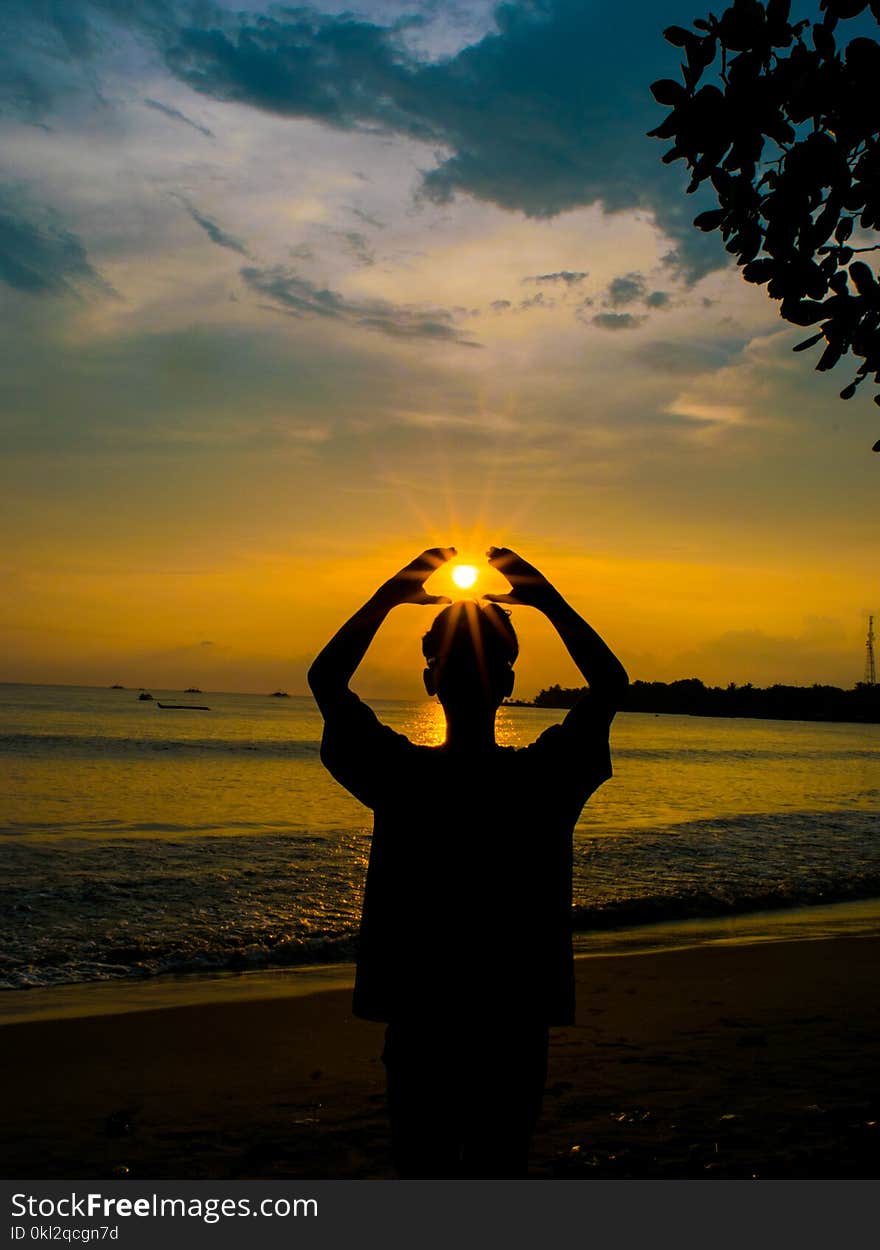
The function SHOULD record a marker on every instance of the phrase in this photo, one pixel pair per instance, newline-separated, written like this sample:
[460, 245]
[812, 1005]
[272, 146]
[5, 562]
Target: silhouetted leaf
[824, 41]
[804, 312]
[778, 129]
[710, 220]
[848, 391]
[666, 129]
[862, 58]
[810, 342]
[830, 357]
[741, 26]
[778, 12]
[750, 240]
[668, 91]
[844, 8]
[704, 53]
[813, 280]
[862, 277]
[824, 224]
[760, 270]
[677, 36]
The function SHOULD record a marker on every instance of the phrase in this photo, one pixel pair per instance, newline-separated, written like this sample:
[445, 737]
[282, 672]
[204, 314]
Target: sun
[464, 576]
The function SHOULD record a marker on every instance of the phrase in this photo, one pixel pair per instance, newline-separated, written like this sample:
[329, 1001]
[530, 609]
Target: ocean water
[138, 842]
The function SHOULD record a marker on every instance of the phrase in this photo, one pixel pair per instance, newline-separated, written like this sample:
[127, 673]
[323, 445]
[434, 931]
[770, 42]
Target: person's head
[470, 650]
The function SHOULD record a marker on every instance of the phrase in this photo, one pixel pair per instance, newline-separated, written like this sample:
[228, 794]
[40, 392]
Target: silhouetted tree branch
[788, 138]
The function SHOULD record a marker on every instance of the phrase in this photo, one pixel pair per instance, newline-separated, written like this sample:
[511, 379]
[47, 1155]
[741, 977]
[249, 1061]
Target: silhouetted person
[465, 943]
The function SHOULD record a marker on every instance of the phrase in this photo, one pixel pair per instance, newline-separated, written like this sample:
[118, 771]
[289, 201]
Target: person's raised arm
[604, 673]
[334, 668]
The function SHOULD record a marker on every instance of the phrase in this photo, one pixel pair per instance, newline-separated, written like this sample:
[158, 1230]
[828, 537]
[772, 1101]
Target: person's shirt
[467, 901]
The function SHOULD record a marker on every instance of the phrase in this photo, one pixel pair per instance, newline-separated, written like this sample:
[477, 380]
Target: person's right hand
[528, 585]
[408, 586]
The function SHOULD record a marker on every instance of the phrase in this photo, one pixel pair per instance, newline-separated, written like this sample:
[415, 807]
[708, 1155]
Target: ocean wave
[782, 828]
[706, 904]
[716, 755]
[138, 962]
[141, 960]
[87, 745]
[126, 828]
[107, 907]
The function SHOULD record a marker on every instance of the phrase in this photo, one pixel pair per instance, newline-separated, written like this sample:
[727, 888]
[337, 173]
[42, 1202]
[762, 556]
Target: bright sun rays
[464, 576]
[467, 506]
[468, 576]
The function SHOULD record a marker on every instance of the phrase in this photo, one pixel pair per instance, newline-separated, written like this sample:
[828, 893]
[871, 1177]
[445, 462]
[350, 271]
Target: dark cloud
[339, 70]
[38, 255]
[632, 288]
[569, 276]
[536, 301]
[691, 357]
[358, 247]
[547, 113]
[45, 49]
[212, 230]
[176, 115]
[500, 305]
[616, 321]
[367, 218]
[626, 289]
[298, 297]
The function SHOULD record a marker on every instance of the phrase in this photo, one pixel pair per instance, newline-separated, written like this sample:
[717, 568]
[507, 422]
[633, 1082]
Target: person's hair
[469, 631]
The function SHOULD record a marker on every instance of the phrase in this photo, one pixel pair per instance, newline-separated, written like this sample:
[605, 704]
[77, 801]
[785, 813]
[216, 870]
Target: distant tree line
[691, 697]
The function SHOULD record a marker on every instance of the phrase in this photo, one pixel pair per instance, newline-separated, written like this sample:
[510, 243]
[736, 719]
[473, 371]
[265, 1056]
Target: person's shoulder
[349, 714]
[544, 741]
[582, 735]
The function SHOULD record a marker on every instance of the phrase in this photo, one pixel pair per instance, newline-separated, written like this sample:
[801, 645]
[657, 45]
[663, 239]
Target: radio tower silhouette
[870, 668]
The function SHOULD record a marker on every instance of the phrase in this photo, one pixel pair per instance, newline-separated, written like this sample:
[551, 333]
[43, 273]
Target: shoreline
[851, 918]
[744, 1060]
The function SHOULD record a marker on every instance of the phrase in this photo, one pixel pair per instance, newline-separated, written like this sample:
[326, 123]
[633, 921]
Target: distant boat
[192, 690]
[183, 707]
[117, 687]
[279, 694]
[143, 696]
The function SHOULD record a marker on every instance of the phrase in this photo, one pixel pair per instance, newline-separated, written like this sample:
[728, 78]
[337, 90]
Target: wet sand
[719, 1061]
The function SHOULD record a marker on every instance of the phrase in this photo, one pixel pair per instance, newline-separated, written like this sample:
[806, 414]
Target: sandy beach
[725, 1061]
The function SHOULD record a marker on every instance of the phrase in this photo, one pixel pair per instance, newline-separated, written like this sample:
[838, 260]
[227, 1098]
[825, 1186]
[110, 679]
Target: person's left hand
[408, 586]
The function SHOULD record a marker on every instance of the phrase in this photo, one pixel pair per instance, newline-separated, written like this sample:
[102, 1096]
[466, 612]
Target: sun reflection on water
[427, 727]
